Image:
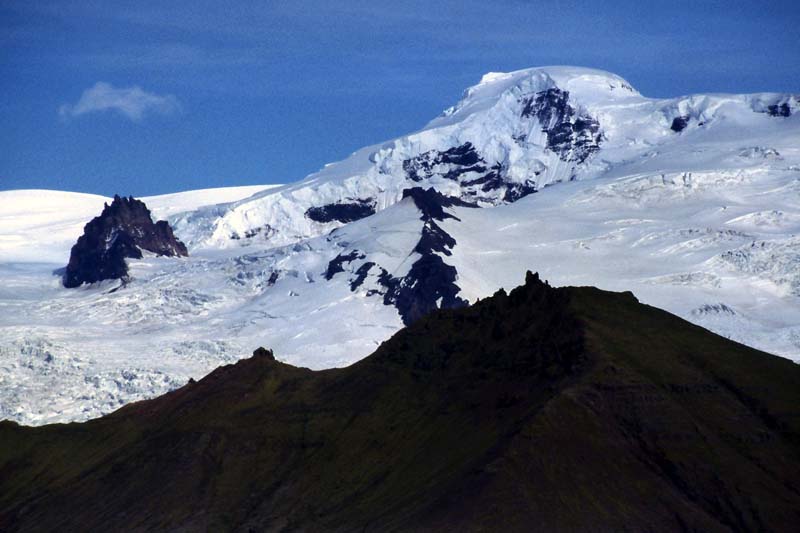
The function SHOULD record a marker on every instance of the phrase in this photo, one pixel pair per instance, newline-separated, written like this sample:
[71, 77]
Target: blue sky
[152, 97]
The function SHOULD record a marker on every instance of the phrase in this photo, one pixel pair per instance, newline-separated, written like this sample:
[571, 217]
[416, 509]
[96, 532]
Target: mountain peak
[588, 84]
[489, 77]
[122, 230]
[560, 74]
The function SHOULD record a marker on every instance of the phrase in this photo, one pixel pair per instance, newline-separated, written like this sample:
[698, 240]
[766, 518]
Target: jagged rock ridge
[122, 230]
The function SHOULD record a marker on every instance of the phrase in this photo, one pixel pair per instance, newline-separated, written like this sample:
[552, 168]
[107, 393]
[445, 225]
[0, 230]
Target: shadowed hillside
[549, 409]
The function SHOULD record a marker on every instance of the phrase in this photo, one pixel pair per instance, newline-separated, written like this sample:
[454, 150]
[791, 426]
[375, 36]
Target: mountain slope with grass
[547, 408]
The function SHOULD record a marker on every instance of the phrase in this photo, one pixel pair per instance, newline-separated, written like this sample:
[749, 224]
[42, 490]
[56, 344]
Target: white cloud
[132, 102]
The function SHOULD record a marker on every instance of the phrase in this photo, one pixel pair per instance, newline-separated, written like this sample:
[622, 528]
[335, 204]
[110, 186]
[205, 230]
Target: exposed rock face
[430, 283]
[573, 136]
[265, 232]
[463, 164]
[779, 110]
[335, 265]
[264, 352]
[432, 203]
[450, 163]
[679, 123]
[342, 211]
[122, 230]
[713, 309]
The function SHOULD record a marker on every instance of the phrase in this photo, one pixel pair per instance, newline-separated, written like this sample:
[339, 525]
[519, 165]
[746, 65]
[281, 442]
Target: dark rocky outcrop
[495, 179]
[516, 191]
[713, 309]
[335, 265]
[466, 166]
[264, 352]
[489, 181]
[265, 232]
[430, 283]
[459, 159]
[679, 123]
[361, 274]
[342, 211]
[573, 136]
[779, 110]
[122, 231]
[432, 203]
[541, 409]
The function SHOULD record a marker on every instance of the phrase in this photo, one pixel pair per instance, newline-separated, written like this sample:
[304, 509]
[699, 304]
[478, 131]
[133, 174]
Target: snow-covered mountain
[691, 202]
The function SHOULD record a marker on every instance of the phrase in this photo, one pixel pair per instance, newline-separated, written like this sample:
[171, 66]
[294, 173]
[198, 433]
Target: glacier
[690, 202]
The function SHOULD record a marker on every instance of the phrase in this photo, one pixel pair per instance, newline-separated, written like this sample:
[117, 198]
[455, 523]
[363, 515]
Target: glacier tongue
[693, 203]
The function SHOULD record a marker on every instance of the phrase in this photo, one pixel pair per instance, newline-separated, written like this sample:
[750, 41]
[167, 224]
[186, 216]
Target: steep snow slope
[690, 202]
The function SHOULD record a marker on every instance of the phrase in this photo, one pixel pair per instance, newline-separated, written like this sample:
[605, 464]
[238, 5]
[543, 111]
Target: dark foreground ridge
[122, 230]
[567, 409]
